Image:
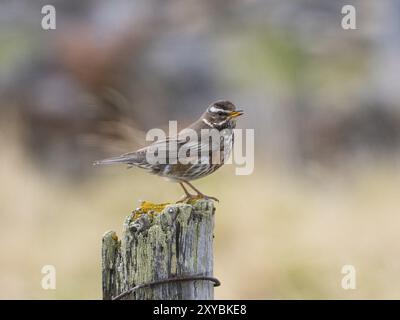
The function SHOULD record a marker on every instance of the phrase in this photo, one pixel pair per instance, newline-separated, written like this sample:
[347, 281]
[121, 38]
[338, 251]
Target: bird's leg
[187, 195]
[199, 193]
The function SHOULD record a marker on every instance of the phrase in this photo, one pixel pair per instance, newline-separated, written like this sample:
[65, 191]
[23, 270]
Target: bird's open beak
[235, 114]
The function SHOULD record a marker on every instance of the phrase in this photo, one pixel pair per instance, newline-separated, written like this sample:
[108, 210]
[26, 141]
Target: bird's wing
[176, 146]
[183, 145]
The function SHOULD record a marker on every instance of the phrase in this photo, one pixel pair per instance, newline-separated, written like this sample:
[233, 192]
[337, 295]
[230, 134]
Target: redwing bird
[220, 116]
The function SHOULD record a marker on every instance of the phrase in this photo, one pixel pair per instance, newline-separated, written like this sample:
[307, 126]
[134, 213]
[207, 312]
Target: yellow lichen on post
[147, 207]
[152, 209]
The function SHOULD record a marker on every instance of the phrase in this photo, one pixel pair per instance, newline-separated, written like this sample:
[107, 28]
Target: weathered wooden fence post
[166, 255]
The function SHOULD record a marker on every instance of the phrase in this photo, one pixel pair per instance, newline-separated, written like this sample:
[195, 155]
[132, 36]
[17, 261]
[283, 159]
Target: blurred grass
[278, 235]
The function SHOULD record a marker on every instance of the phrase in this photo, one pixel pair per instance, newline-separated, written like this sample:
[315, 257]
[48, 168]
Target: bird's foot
[203, 196]
[187, 198]
[191, 198]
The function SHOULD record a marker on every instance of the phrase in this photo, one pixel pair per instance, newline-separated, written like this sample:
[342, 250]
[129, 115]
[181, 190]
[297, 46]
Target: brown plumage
[205, 156]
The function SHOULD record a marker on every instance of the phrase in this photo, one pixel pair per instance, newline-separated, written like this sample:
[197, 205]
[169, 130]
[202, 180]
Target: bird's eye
[220, 113]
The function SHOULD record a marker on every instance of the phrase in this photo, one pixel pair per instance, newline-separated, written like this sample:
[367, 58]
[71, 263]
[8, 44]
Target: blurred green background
[324, 103]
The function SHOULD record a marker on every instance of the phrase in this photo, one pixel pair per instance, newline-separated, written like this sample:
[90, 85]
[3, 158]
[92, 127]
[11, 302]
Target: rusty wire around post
[217, 283]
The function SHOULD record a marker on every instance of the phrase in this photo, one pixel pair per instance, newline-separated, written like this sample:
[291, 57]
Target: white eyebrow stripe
[215, 110]
[208, 123]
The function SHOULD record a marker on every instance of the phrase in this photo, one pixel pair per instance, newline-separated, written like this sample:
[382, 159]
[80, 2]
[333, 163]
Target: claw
[209, 198]
[189, 198]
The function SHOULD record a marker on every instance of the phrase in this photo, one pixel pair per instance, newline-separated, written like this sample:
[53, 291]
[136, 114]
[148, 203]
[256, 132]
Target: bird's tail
[125, 158]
